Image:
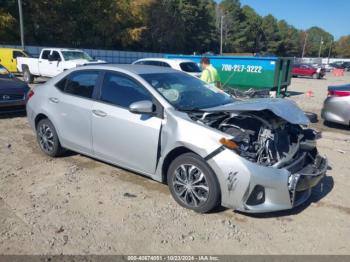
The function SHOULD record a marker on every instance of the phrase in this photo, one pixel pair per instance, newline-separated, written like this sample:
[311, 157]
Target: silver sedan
[252, 156]
[336, 107]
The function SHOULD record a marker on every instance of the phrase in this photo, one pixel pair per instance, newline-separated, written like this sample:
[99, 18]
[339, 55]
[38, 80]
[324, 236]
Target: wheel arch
[174, 153]
[39, 117]
[25, 66]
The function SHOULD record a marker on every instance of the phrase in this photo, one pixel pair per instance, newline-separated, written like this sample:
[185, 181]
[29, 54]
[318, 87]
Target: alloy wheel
[46, 138]
[190, 185]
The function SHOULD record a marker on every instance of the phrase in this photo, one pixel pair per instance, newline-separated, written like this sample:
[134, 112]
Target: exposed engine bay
[262, 136]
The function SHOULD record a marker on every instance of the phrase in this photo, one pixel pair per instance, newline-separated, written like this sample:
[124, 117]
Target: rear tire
[193, 184]
[27, 76]
[48, 139]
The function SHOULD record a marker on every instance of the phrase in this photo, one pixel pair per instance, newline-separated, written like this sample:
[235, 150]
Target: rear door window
[190, 67]
[79, 83]
[156, 63]
[163, 64]
[152, 63]
[120, 90]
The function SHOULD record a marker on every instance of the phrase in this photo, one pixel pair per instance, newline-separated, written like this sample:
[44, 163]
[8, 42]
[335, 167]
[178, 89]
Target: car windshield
[185, 92]
[4, 73]
[73, 55]
[190, 67]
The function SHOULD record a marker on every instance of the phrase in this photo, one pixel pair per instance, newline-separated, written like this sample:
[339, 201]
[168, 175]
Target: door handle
[54, 100]
[99, 113]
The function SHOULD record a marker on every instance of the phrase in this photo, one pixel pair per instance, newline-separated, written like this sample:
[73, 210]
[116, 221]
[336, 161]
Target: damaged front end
[271, 141]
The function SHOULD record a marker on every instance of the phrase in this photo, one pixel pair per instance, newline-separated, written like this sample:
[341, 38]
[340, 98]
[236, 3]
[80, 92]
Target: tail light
[338, 93]
[30, 94]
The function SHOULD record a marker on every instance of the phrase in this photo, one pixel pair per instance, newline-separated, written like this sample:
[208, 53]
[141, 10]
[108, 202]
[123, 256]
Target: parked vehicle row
[341, 65]
[8, 58]
[208, 147]
[52, 62]
[13, 92]
[308, 70]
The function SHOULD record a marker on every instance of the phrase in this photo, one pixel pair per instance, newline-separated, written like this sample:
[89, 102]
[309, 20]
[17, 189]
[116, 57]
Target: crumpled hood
[284, 108]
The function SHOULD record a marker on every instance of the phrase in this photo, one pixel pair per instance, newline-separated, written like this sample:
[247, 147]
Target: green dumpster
[243, 73]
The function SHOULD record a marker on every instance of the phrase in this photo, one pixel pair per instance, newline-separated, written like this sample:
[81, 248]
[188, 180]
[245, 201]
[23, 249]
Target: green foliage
[182, 26]
[290, 40]
[234, 38]
[179, 25]
[315, 36]
[252, 30]
[271, 35]
[342, 47]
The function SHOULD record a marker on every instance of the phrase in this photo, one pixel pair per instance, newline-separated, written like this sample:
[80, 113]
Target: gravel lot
[77, 205]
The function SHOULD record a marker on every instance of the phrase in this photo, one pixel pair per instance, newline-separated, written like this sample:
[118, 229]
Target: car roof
[11, 49]
[166, 60]
[62, 49]
[136, 69]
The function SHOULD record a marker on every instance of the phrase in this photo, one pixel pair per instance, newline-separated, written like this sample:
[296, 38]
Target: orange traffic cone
[309, 93]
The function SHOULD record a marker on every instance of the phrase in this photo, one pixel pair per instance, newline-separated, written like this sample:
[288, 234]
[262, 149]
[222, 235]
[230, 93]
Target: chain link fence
[110, 56]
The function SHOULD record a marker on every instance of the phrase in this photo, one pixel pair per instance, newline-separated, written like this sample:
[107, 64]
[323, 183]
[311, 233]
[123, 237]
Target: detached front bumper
[301, 181]
[251, 188]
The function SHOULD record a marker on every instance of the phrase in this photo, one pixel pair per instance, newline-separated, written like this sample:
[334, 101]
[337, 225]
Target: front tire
[48, 139]
[193, 184]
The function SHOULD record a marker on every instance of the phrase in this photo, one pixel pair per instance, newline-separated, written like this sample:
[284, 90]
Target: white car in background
[184, 65]
[328, 67]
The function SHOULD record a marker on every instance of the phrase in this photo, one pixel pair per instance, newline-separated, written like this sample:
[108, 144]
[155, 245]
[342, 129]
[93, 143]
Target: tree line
[174, 26]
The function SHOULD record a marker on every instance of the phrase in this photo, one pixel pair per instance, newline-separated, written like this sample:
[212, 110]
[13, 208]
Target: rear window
[3, 72]
[190, 67]
[156, 63]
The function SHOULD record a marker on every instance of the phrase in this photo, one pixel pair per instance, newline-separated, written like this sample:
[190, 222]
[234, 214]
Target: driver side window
[122, 91]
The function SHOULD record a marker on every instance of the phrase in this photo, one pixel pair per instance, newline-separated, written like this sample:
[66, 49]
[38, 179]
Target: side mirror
[142, 107]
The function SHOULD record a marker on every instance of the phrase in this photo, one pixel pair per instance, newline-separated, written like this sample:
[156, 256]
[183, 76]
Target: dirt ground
[77, 205]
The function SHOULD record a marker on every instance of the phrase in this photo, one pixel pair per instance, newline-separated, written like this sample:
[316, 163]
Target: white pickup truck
[51, 62]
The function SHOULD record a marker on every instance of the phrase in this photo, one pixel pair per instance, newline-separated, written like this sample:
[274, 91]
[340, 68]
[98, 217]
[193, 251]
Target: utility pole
[21, 22]
[329, 52]
[304, 47]
[321, 43]
[221, 32]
